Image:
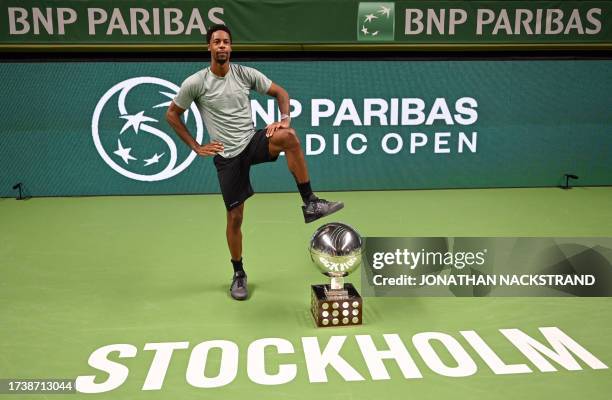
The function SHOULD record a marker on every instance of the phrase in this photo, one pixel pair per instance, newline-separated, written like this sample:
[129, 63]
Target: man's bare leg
[233, 231]
[285, 139]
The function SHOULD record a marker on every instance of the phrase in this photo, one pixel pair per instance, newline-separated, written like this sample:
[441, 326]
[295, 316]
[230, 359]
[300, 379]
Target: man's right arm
[173, 116]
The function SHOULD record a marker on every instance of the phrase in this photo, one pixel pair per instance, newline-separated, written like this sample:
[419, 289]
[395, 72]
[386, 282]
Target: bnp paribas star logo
[376, 22]
[130, 133]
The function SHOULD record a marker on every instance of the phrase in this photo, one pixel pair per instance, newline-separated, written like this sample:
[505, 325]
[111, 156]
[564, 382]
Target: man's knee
[234, 218]
[290, 138]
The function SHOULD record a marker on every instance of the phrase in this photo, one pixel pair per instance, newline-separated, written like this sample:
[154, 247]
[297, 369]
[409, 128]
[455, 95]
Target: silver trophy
[335, 249]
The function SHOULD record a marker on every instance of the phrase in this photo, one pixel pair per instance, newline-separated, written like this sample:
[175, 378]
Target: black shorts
[233, 173]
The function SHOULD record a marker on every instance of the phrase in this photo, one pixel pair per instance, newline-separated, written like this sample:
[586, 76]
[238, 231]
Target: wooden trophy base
[342, 307]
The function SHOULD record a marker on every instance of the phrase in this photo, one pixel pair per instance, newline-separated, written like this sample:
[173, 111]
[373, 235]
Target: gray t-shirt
[224, 104]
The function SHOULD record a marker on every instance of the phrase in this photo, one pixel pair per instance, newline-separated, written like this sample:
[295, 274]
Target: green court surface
[77, 274]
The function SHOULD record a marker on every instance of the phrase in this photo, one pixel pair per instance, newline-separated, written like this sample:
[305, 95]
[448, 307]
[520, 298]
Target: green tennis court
[81, 273]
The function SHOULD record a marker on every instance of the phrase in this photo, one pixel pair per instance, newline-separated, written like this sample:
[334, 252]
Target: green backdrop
[534, 121]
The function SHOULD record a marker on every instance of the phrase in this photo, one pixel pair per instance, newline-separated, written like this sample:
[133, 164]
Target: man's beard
[222, 61]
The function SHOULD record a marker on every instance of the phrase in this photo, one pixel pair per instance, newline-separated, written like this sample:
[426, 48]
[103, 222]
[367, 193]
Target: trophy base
[331, 307]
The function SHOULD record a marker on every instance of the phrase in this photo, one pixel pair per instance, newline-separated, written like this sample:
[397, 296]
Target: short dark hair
[216, 28]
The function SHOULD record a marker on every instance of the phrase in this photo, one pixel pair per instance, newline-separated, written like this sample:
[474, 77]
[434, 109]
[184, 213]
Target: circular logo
[131, 139]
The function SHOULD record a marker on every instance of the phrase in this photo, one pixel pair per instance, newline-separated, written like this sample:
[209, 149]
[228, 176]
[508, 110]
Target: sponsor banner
[304, 22]
[100, 128]
[487, 267]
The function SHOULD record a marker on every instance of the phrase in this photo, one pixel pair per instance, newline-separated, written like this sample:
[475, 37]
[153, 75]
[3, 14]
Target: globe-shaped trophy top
[335, 248]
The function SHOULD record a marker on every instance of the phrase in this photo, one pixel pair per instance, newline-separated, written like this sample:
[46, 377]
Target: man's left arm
[282, 98]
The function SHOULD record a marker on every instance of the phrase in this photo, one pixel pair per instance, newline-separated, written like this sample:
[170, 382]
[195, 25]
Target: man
[221, 93]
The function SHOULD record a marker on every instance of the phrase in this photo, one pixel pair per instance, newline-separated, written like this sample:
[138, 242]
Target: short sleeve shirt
[224, 104]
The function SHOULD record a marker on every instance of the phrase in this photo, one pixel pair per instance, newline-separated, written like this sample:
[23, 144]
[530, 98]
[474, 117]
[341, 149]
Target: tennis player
[221, 93]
